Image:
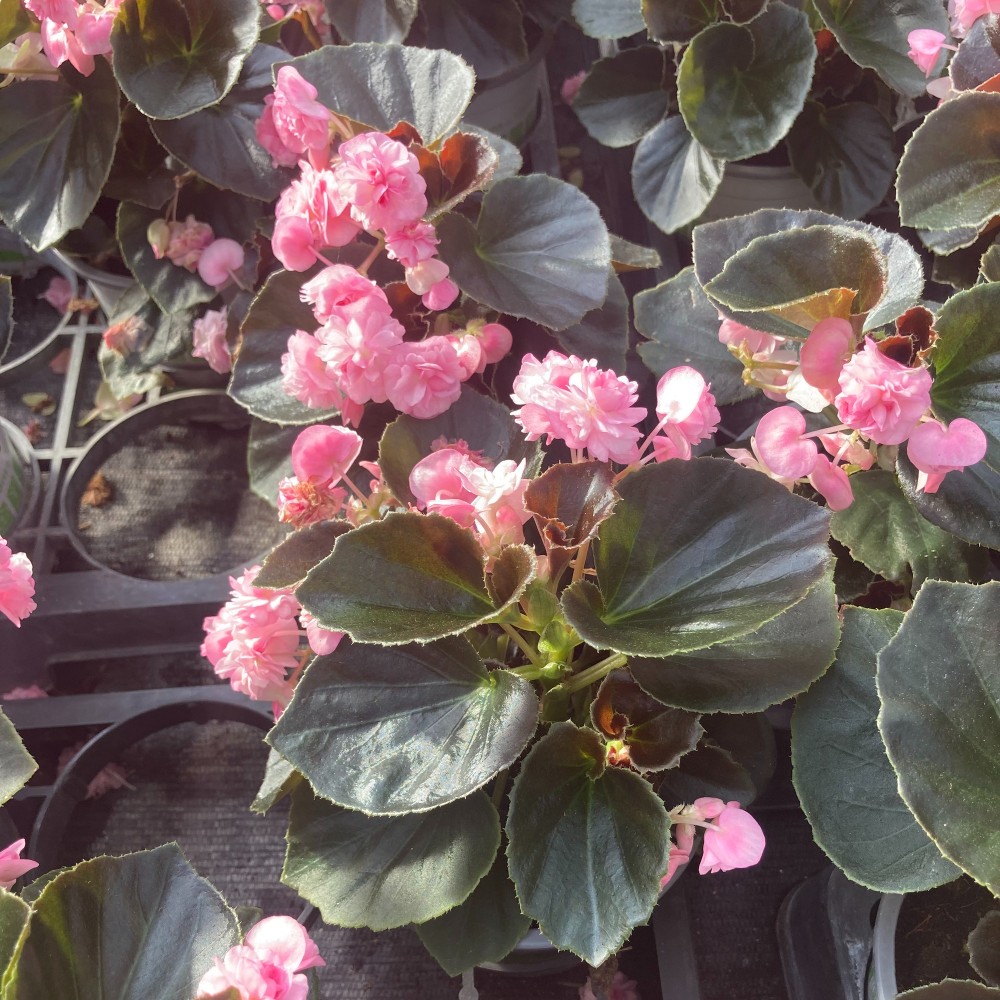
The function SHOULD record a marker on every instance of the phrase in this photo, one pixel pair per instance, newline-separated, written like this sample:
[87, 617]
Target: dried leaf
[99, 491]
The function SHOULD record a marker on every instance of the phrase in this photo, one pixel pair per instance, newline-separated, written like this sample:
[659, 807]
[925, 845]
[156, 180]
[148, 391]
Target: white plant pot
[745, 188]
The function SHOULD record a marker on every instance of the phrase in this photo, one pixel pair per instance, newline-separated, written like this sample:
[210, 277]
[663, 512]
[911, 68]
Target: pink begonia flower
[12, 865]
[925, 48]
[342, 291]
[219, 260]
[60, 11]
[497, 342]
[439, 487]
[585, 406]
[622, 988]
[123, 337]
[824, 354]
[110, 778]
[469, 349]
[937, 450]
[423, 379]
[880, 397]
[323, 454]
[422, 277]
[267, 966]
[441, 296]
[210, 340]
[942, 88]
[357, 352]
[571, 86]
[293, 121]
[60, 45]
[778, 443]
[17, 587]
[831, 480]
[734, 334]
[254, 639]
[304, 376]
[59, 293]
[185, 242]
[93, 29]
[24, 693]
[687, 413]
[965, 13]
[322, 641]
[734, 841]
[802, 394]
[680, 851]
[301, 503]
[412, 244]
[844, 449]
[380, 178]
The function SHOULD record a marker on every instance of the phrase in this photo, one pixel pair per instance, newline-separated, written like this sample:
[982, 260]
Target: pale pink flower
[24, 56]
[469, 349]
[797, 390]
[441, 296]
[937, 450]
[439, 486]
[687, 413]
[294, 243]
[824, 353]
[413, 243]
[845, 449]
[357, 352]
[60, 11]
[123, 337]
[301, 502]
[680, 851]
[925, 48]
[585, 406]
[734, 841]
[210, 340]
[59, 294]
[965, 13]
[423, 379]
[219, 260]
[60, 45]
[323, 454]
[830, 479]
[779, 444]
[622, 988]
[17, 586]
[293, 122]
[322, 641]
[185, 242]
[422, 277]
[24, 693]
[342, 291]
[12, 865]
[571, 86]
[502, 486]
[93, 29]
[880, 397]
[942, 88]
[254, 639]
[734, 334]
[305, 377]
[380, 178]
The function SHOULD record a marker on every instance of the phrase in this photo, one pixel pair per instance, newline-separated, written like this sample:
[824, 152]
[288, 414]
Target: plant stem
[14, 71]
[587, 677]
[581, 561]
[370, 259]
[522, 644]
[499, 788]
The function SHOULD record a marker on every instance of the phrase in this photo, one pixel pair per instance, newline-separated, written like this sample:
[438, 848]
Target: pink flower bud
[218, 260]
[831, 480]
[925, 47]
[422, 277]
[158, 237]
[441, 296]
[322, 454]
[824, 353]
[936, 450]
[496, 341]
[779, 445]
[735, 841]
[469, 349]
[12, 865]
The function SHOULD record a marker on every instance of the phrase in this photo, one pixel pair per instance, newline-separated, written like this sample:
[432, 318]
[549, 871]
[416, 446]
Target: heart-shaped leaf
[485, 425]
[843, 777]
[609, 18]
[388, 871]
[16, 764]
[488, 36]
[579, 828]
[393, 731]
[623, 96]
[673, 176]
[58, 139]
[774, 662]
[372, 21]
[410, 577]
[382, 85]
[683, 327]
[708, 770]
[134, 927]
[288, 563]
[680, 567]
[486, 927]
[175, 57]
[940, 720]
[740, 88]
[681, 20]
[539, 250]
[280, 779]
[845, 154]
[220, 143]
[888, 534]
[874, 34]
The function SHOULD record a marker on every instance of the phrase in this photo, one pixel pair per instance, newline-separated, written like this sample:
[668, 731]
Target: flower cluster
[193, 245]
[71, 32]
[17, 586]
[267, 966]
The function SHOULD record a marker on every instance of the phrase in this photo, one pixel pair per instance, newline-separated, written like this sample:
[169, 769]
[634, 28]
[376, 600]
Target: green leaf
[16, 764]
[484, 928]
[175, 57]
[289, 562]
[6, 314]
[280, 779]
[845, 154]
[409, 577]
[791, 280]
[388, 871]
[382, 85]
[570, 501]
[373, 20]
[949, 176]
[628, 256]
[602, 334]
[220, 143]
[609, 18]
[13, 917]
[874, 34]
[716, 242]
[580, 830]
[485, 425]
[681, 20]
[680, 567]
[144, 925]
[58, 142]
[269, 457]
[843, 777]
[408, 729]
[14, 21]
[709, 770]
[172, 288]
[673, 176]
[274, 315]
[683, 327]
[953, 989]
[740, 88]
[940, 720]
[623, 96]
[984, 948]
[886, 533]
[489, 36]
[539, 250]
[774, 662]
